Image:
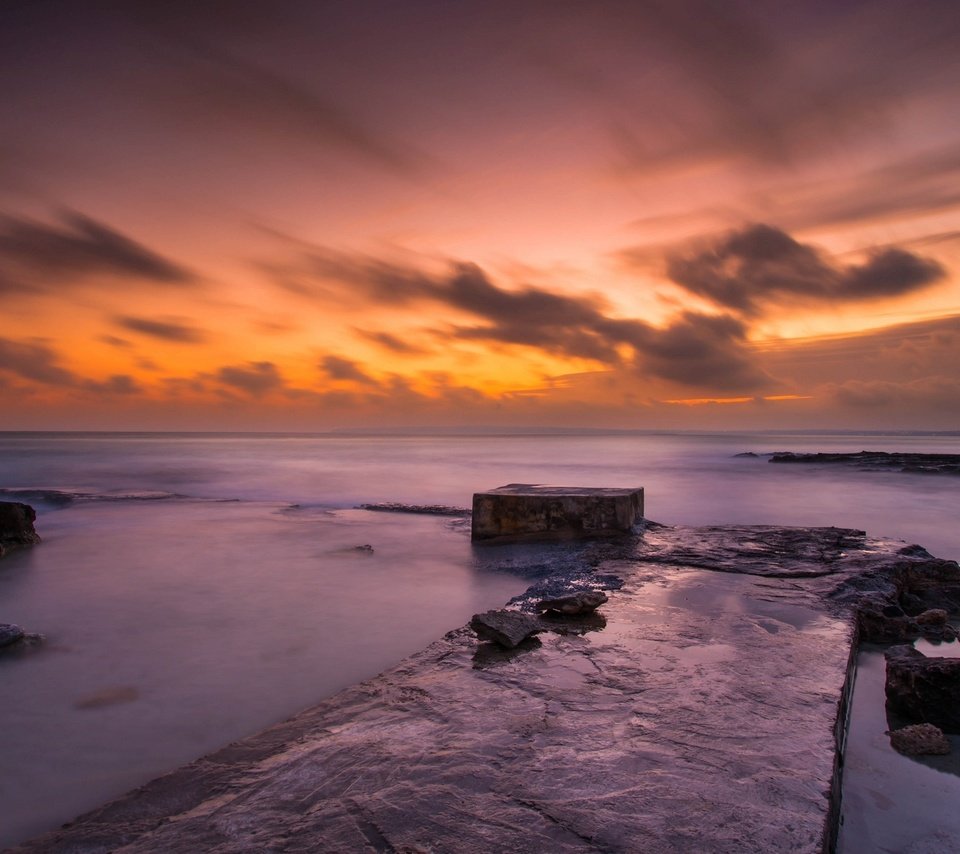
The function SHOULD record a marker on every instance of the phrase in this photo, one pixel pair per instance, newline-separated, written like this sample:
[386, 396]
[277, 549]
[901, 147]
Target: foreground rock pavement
[701, 715]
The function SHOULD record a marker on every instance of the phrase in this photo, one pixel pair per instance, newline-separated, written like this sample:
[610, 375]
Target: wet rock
[578, 624]
[920, 740]
[506, 628]
[926, 584]
[424, 509]
[932, 617]
[523, 511]
[878, 460]
[10, 634]
[583, 602]
[893, 611]
[16, 526]
[922, 689]
[875, 626]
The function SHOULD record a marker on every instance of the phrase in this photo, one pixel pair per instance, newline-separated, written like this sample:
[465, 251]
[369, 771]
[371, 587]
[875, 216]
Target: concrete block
[523, 511]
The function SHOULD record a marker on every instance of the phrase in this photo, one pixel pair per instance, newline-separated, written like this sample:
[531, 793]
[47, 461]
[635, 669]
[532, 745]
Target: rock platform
[704, 712]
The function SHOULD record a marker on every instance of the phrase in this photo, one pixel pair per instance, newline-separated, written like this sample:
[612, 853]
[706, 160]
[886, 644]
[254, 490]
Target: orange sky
[640, 214]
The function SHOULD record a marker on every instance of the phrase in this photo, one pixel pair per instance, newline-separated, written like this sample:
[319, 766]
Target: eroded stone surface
[922, 689]
[920, 740]
[522, 511]
[506, 628]
[688, 719]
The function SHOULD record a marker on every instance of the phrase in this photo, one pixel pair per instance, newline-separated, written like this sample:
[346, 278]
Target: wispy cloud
[254, 378]
[36, 361]
[166, 330]
[338, 368]
[36, 257]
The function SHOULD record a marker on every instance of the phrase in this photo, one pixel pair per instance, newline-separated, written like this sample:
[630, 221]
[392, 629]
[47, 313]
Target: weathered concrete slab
[523, 511]
[702, 713]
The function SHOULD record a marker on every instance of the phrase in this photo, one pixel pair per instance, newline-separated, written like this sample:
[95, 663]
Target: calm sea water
[201, 587]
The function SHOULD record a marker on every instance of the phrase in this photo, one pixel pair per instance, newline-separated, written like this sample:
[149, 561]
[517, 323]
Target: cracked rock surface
[699, 713]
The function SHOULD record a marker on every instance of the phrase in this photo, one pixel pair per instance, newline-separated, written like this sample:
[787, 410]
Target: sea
[196, 588]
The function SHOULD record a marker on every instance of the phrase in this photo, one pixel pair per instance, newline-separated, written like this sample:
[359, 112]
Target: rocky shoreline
[911, 463]
[700, 707]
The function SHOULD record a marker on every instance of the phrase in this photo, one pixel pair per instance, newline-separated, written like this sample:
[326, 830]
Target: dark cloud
[338, 368]
[35, 255]
[121, 384]
[761, 265]
[703, 350]
[165, 330]
[35, 361]
[254, 378]
[392, 342]
[114, 341]
[695, 350]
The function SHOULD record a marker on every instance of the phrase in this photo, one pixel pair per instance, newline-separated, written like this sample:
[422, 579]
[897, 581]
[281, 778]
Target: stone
[929, 583]
[875, 626]
[584, 602]
[920, 740]
[521, 511]
[932, 617]
[10, 634]
[16, 525]
[915, 463]
[506, 628]
[922, 689]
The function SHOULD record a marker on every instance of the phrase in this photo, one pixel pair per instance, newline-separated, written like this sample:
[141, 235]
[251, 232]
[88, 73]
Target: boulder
[887, 624]
[506, 628]
[10, 634]
[584, 602]
[932, 617]
[922, 689]
[920, 740]
[16, 525]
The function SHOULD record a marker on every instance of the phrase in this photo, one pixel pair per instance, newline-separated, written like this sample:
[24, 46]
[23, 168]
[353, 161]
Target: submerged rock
[10, 634]
[583, 602]
[506, 628]
[16, 525]
[920, 740]
[922, 689]
[13, 638]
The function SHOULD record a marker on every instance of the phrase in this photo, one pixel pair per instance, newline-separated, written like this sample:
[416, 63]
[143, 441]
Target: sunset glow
[304, 216]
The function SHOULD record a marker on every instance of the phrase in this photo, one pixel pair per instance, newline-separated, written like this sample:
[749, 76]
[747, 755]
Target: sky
[632, 214]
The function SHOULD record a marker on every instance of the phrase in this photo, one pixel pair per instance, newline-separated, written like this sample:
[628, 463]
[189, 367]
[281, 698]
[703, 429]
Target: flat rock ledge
[703, 713]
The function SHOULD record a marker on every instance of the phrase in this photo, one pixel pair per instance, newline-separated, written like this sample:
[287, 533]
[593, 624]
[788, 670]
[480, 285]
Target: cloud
[254, 378]
[165, 330]
[121, 384]
[695, 350]
[760, 265]
[703, 350]
[738, 82]
[338, 368]
[392, 342]
[942, 392]
[34, 361]
[35, 255]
